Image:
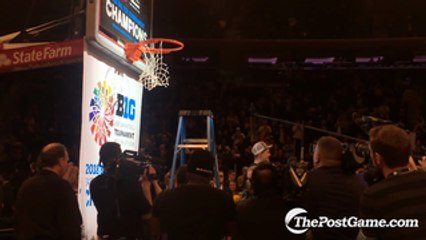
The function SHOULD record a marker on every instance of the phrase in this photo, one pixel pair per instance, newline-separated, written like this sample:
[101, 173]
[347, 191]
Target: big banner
[111, 112]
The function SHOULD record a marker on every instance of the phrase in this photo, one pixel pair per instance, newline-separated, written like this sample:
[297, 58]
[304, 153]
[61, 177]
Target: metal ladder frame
[182, 143]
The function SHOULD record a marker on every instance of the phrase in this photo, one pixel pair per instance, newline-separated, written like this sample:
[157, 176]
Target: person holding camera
[401, 194]
[331, 191]
[118, 196]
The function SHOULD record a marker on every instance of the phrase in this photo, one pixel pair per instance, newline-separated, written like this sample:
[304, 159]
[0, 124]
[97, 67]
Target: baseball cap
[259, 147]
[201, 163]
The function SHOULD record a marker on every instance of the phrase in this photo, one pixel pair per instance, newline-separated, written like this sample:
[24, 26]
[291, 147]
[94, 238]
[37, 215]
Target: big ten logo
[126, 107]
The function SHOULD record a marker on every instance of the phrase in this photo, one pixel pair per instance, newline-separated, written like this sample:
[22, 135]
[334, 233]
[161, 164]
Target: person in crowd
[241, 180]
[229, 181]
[150, 183]
[331, 191]
[261, 153]
[221, 180]
[166, 180]
[232, 176]
[236, 195]
[297, 134]
[46, 206]
[71, 176]
[194, 210]
[264, 131]
[238, 137]
[401, 194]
[422, 164]
[119, 197]
[262, 217]
[14, 169]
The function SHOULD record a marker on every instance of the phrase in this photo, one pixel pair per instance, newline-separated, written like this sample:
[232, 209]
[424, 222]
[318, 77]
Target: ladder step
[196, 140]
[200, 146]
[196, 113]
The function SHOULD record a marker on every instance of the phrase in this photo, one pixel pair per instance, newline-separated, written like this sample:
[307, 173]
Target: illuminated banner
[123, 20]
[41, 55]
[111, 111]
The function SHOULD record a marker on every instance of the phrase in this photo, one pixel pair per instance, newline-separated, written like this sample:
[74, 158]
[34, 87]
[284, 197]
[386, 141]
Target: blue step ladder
[182, 143]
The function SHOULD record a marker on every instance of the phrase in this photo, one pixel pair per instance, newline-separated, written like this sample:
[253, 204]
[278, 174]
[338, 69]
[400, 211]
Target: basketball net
[155, 72]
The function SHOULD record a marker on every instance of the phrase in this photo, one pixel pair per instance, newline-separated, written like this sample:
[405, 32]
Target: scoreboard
[110, 24]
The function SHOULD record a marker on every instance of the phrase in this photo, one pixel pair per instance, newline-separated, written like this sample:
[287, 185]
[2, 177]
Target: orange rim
[134, 50]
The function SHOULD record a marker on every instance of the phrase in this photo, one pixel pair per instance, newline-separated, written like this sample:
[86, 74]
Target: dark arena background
[313, 63]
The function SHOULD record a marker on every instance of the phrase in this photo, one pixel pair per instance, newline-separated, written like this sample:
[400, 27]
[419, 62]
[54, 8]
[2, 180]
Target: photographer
[150, 183]
[119, 197]
[402, 193]
[331, 191]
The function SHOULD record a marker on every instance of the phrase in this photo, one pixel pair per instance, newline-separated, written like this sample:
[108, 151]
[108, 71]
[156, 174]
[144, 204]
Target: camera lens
[362, 150]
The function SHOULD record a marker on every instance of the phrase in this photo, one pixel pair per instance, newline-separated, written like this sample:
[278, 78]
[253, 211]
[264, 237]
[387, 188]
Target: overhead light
[200, 59]
[194, 59]
[272, 60]
[368, 59]
[419, 58]
[319, 60]
[185, 59]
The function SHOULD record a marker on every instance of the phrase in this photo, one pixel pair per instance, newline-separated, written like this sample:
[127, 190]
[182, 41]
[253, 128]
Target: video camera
[356, 156]
[360, 151]
[133, 162]
[141, 161]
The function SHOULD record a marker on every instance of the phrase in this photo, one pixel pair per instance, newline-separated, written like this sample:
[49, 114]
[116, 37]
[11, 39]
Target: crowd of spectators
[38, 107]
[42, 106]
[323, 99]
[326, 100]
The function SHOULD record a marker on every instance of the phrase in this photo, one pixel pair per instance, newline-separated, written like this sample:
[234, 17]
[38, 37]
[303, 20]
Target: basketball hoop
[150, 52]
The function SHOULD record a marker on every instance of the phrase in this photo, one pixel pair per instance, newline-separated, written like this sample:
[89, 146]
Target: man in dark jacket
[400, 195]
[194, 210]
[330, 191]
[261, 217]
[118, 196]
[46, 206]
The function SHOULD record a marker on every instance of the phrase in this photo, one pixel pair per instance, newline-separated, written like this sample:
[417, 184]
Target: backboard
[111, 24]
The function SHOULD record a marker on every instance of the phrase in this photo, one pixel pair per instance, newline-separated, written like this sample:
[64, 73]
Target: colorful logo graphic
[101, 114]
[4, 60]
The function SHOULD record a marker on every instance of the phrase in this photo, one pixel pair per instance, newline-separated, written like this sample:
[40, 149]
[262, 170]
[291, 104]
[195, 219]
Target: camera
[141, 161]
[357, 155]
[362, 150]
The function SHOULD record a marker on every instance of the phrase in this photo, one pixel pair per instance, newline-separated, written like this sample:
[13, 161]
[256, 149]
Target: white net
[156, 72]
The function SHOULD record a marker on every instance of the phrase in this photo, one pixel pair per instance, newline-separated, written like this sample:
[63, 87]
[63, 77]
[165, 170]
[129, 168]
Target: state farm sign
[46, 53]
[41, 55]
